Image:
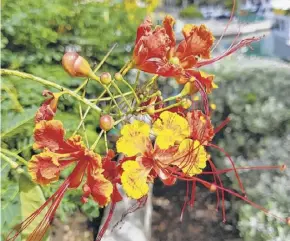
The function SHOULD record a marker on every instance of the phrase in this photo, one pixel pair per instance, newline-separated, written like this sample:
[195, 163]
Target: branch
[51, 84]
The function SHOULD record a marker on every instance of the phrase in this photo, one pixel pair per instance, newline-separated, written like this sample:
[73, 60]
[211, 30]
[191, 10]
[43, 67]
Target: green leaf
[31, 198]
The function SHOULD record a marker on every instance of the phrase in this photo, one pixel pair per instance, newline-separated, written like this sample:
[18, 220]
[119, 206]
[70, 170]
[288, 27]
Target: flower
[169, 129]
[49, 107]
[200, 125]
[45, 167]
[134, 179]
[191, 157]
[133, 137]
[156, 52]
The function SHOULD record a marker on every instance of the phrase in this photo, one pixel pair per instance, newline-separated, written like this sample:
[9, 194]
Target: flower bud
[118, 76]
[186, 103]
[77, 66]
[106, 122]
[150, 109]
[106, 78]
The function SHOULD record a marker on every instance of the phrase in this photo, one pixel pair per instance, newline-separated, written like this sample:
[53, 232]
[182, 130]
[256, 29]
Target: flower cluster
[165, 138]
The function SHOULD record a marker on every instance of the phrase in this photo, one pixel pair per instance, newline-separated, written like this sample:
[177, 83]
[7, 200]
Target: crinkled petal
[168, 24]
[191, 157]
[49, 134]
[134, 179]
[101, 190]
[201, 128]
[170, 128]
[44, 168]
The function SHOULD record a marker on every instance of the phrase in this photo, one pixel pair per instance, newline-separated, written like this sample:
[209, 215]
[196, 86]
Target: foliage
[190, 12]
[255, 94]
[37, 32]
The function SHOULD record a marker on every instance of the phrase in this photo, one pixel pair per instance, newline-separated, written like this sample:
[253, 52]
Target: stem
[115, 97]
[131, 88]
[87, 111]
[106, 142]
[83, 125]
[19, 158]
[13, 164]
[97, 141]
[168, 107]
[118, 89]
[51, 84]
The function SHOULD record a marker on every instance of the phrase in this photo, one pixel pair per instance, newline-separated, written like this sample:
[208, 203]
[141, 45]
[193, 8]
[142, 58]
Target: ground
[200, 223]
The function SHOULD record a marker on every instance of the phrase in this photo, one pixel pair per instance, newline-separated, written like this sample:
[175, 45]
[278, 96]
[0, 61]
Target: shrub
[190, 12]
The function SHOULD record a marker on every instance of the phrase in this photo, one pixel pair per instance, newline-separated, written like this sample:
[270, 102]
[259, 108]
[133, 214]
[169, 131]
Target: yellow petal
[191, 157]
[134, 179]
[170, 128]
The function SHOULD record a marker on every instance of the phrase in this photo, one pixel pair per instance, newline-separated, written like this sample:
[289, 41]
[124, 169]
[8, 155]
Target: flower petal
[170, 128]
[191, 157]
[49, 134]
[44, 168]
[134, 179]
[201, 128]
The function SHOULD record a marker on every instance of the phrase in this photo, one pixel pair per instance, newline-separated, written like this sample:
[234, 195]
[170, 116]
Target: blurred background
[254, 87]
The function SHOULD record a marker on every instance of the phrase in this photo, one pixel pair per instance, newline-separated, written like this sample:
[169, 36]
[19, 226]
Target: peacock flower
[45, 167]
[169, 129]
[156, 52]
[191, 157]
[134, 179]
[200, 125]
[48, 109]
[133, 137]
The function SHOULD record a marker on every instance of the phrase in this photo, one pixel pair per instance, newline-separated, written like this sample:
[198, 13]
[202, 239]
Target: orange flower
[49, 107]
[156, 52]
[45, 167]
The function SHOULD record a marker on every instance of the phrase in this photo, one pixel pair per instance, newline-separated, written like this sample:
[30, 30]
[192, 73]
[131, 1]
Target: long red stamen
[242, 43]
[222, 125]
[185, 202]
[54, 200]
[107, 222]
[193, 190]
[227, 26]
[233, 165]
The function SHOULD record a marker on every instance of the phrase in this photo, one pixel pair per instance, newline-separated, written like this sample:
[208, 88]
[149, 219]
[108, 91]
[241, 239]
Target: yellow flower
[170, 128]
[133, 139]
[191, 157]
[134, 179]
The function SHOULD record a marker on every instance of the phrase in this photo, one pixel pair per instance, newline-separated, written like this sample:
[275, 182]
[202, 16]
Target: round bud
[212, 188]
[106, 122]
[118, 76]
[158, 93]
[76, 66]
[283, 167]
[150, 110]
[186, 103]
[106, 78]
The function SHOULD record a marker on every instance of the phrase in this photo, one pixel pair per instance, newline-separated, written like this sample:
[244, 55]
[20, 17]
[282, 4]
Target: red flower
[48, 108]
[200, 125]
[156, 52]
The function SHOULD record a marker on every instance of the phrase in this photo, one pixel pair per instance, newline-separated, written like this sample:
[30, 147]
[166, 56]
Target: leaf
[31, 198]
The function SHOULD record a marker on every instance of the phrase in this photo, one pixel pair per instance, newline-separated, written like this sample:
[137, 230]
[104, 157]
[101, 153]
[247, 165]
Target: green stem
[106, 142]
[51, 84]
[120, 92]
[131, 88]
[13, 164]
[87, 111]
[115, 97]
[168, 107]
[97, 141]
[19, 158]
